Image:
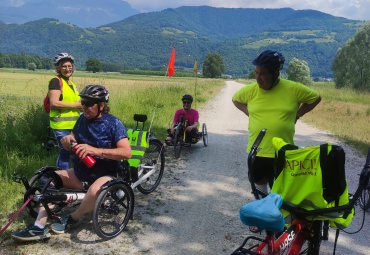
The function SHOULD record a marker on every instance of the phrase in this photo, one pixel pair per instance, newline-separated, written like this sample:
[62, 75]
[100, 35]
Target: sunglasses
[88, 103]
[186, 102]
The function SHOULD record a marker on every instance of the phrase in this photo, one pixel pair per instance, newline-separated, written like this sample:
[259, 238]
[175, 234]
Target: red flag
[171, 63]
[195, 65]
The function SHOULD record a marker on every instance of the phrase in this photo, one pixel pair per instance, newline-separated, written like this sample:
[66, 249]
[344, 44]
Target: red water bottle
[88, 160]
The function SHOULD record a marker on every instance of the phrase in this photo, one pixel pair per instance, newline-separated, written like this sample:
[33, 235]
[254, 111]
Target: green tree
[213, 65]
[93, 65]
[252, 75]
[351, 63]
[299, 71]
[32, 66]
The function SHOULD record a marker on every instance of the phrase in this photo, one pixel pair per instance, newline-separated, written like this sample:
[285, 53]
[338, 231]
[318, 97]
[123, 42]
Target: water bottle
[88, 160]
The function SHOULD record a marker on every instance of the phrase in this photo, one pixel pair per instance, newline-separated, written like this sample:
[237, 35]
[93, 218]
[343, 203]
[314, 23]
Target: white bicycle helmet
[62, 56]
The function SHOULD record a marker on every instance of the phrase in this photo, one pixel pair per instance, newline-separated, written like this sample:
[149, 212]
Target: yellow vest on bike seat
[304, 182]
[139, 143]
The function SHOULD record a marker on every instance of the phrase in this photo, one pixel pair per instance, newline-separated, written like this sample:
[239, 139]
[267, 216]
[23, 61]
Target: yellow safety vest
[65, 118]
[300, 183]
[139, 143]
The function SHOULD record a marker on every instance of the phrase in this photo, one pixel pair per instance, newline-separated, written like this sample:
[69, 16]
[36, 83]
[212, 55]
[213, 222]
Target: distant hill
[83, 13]
[144, 41]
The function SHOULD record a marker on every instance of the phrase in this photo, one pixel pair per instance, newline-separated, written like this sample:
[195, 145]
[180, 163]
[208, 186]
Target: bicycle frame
[291, 241]
[147, 175]
[301, 230]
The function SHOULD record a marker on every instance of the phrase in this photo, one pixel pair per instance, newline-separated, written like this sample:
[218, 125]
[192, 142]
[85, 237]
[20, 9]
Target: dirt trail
[195, 210]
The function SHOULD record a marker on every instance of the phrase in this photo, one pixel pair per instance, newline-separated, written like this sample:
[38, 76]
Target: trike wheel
[177, 142]
[365, 199]
[113, 210]
[153, 160]
[37, 184]
[204, 135]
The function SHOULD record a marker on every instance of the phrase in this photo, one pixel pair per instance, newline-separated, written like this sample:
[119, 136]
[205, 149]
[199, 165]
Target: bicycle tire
[204, 135]
[315, 238]
[365, 199]
[178, 141]
[154, 157]
[36, 188]
[112, 213]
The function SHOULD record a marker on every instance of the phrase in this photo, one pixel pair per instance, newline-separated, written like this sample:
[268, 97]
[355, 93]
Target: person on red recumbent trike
[191, 117]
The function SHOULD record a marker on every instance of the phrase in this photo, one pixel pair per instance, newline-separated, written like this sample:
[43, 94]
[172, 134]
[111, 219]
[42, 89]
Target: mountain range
[144, 41]
[82, 13]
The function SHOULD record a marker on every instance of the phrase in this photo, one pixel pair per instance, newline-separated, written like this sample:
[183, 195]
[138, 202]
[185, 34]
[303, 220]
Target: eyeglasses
[186, 102]
[88, 103]
[66, 66]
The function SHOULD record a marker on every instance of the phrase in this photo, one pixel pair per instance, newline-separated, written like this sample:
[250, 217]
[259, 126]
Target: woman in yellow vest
[65, 104]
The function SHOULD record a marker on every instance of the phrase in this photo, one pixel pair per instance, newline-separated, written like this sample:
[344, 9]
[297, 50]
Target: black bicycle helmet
[96, 92]
[187, 97]
[62, 56]
[271, 60]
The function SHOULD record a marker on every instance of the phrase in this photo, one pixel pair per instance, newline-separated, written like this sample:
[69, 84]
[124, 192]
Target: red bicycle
[303, 236]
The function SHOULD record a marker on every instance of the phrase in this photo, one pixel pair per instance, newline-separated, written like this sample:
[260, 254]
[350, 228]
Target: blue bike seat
[264, 213]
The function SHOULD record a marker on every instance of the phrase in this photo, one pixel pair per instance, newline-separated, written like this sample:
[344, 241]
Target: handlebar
[252, 154]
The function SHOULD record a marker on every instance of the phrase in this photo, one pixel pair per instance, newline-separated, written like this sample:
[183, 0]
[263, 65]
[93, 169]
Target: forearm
[241, 107]
[305, 108]
[113, 153]
[195, 125]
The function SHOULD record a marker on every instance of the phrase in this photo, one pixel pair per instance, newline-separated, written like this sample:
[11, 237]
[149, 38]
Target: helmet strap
[99, 111]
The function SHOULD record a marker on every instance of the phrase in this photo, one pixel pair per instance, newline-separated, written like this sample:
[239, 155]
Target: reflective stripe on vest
[59, 119]
[139, 143]
[65, 118]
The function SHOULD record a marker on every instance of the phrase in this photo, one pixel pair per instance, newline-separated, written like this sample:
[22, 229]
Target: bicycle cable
[363, 218]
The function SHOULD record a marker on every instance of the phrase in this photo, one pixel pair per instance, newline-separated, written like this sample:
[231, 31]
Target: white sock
[39, 225]
[262, 187]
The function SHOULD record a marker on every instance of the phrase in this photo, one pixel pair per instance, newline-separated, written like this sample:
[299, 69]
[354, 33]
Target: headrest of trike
[140, 117]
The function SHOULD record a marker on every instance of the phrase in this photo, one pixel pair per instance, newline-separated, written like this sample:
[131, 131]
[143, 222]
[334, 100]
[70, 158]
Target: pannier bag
[312, 178]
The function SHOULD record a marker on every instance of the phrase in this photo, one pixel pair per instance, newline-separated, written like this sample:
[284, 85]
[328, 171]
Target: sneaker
[32, 233]
[66, 224]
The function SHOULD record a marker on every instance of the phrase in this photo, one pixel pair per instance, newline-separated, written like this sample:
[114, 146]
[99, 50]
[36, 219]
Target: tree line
[350, 66]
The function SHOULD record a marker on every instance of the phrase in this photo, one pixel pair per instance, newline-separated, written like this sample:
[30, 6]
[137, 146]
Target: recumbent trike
[181, 140]
[115, 204]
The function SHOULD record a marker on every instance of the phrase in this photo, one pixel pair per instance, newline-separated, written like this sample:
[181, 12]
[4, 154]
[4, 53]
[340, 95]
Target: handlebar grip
[259, 139]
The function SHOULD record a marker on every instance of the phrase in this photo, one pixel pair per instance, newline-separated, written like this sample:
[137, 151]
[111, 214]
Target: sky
[350, 9]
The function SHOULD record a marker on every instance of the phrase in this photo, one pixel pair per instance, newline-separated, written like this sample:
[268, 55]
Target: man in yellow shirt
[275, 104]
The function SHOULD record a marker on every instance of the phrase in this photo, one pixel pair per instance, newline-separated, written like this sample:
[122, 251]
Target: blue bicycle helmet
[187, 97]
[271, 60]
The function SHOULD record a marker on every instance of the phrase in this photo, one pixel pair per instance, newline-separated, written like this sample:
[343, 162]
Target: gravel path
[195, 210]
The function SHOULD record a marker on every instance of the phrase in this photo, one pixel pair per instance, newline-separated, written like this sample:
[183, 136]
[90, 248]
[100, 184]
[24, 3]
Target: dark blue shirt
[104, 132]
